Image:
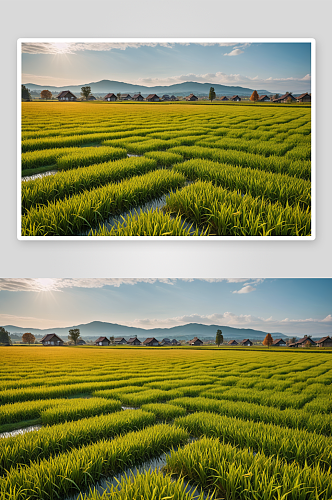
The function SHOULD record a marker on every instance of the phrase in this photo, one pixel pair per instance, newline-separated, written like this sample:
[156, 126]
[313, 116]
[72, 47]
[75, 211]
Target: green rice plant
[275, 187]
[227, 213]
[150, 223]
[43, 157]
[90, 156]
[276, 164]
[27, 410]
[79, 468]
[69, 216]
[59, 141]
[149, 145]
[289, 417]
[65, 184]
[238, 474]
[75, 409]
[321, 404]
[149, 396]
[49, 441]
[116, 393]
[149, 484]
[280, 400]
[264, 148]
[164, 158]
[290, 444]
[164, 411]
[300, 152]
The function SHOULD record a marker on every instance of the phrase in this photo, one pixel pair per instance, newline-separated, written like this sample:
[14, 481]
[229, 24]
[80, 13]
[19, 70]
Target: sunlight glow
[45, 284]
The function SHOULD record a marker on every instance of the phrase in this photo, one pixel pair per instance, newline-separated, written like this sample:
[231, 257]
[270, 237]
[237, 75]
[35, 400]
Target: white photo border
[312, 41]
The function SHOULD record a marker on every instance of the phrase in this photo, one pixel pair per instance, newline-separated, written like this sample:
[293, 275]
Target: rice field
[159, 423]
[231, 170]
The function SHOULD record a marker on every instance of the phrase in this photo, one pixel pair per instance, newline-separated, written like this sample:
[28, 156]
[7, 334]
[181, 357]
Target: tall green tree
[4, 336]
[219, 338]
[118, 95]
[212, 94]
[74, 334]
[85, 92]
[25, 93]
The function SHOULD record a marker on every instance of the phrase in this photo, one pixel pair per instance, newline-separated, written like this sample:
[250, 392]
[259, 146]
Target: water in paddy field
[155, 464]
[39, 176]
[20, 431]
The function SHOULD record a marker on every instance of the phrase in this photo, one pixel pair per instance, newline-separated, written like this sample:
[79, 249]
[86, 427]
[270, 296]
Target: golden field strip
[237, 424]
[218, 170]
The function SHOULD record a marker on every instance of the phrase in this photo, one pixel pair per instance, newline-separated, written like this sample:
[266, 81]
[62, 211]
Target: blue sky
[295, 306]
[275, 67]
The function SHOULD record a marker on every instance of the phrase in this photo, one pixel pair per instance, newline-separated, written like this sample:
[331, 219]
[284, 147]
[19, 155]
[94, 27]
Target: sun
[61, 48]
[45, 284]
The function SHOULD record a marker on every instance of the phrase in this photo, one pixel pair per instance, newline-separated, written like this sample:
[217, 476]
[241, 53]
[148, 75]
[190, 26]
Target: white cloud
[235, 52]
[246, 289]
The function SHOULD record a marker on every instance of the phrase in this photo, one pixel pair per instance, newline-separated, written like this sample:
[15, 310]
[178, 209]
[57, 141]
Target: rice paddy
[226, 424]
[232, 170]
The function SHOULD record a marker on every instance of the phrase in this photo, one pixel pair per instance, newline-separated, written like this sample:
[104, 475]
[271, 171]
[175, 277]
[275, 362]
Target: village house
[304, 97]
[233, 342]
[66, 95]
[119, 340]
[165, 97]
[134, 341]
[264, 98]
[191, 97]
[235, 98]
[138, 97]
[110, 97]
[278, 343]
[151, 341]
[102, 341]
[153, 98]
[173, 98]
[246, 342]
[285, 98]
[166, 342]
[324, 342]
[80, 342]
[51, 339]
[91, 98]
[125, 97]
[175, 342]
[195, 341]
[224, 98]
[302, 342]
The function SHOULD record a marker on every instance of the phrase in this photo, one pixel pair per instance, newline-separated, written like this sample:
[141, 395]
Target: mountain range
[184, 332]
[185, 88]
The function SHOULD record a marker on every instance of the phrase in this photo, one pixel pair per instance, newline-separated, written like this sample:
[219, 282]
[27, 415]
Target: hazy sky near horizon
[294, 306]
[275, 67]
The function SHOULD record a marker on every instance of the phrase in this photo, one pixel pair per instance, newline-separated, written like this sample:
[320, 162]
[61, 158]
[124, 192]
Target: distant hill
[184, 332]
[185, 88]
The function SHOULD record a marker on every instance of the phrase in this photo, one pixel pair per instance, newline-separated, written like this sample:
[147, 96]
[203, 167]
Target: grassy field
[236, 424]
[219, 170]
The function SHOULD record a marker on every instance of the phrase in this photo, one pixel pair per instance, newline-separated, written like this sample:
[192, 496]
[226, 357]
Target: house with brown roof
[153, 98]
[233, 342]
[66, 95]
[125, 97]
[195, 341]
[134, 341]
[110, 97]
[285, 98]
[324, 342]
[263, 98]
[91, 98]
[235, 98]
[246, 342]
[151, 341]
[81, 342]
[224, 98]
[304, 97]
[278, 343]
[51, 339]
[102, 341]
[191, 97]
[138, 97]
[173, 98]
[166, 342]
[175, 342]
[302, 342]
[165, 97]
